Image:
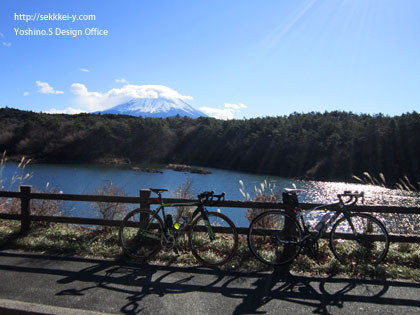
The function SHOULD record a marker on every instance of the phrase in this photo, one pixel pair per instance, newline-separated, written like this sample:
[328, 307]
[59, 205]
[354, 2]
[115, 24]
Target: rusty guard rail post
[144, 199]
[25, 208]
[144, 205]
[290, 201]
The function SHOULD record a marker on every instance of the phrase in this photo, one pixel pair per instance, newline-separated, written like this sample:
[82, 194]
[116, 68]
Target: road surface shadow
[251, 290]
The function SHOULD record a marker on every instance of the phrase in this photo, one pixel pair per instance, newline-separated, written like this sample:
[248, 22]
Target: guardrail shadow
[251, 291]
[319, 294]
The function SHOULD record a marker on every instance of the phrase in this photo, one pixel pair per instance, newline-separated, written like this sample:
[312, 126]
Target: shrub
[110, 210]
[47, 207]
[265, 192]
[185, 191]
[395, 222]
[20, 176]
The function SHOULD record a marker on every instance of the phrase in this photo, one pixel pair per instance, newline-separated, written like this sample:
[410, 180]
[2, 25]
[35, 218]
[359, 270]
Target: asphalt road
[64, 285]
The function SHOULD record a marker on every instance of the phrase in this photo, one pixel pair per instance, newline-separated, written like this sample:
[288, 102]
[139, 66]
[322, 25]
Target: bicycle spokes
[213, 239]
[274, 238]
[359, 239]
[141, 233]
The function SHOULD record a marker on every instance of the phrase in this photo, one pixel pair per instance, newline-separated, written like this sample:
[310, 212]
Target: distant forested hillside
[326, 146]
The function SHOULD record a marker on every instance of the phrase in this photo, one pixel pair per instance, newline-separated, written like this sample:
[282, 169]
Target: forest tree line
[323, 146]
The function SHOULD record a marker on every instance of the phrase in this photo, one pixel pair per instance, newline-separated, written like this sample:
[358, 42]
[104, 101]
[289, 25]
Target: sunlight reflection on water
[325, 192]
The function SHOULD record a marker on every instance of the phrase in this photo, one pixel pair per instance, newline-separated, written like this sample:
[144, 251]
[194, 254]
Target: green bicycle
[213, 238]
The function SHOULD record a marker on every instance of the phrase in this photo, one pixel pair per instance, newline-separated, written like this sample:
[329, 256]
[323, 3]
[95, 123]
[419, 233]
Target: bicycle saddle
[292, 190]
[157, 190]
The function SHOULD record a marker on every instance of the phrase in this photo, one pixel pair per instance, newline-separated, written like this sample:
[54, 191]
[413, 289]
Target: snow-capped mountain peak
[155, 107]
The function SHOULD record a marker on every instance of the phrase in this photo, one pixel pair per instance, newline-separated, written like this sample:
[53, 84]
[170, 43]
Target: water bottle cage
[168, 220]
[180, 225]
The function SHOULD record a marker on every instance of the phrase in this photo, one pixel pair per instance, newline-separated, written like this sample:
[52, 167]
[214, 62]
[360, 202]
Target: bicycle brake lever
[220, 197]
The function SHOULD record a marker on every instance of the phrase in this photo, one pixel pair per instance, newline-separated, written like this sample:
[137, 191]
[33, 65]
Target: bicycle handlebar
[220, 197]
[352, 197]
[209, 195]
[205, 195]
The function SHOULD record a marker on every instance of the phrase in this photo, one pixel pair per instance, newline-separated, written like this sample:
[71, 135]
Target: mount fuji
[160, 107]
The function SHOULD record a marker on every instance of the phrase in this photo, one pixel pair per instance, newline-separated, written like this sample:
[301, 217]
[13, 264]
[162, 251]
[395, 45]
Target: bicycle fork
[353, 229]
[209, 227]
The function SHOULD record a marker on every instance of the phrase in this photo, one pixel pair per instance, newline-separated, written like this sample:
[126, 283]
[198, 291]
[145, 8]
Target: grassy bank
[403, 260]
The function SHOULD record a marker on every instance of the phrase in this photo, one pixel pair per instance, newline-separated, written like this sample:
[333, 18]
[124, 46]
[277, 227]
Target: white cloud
[218, 113]
[45, 88]
[122, 80]
[235, 106]
[69, 110]
[25, 93]
[98, 101]
[226, 113]
[84, 70]
[5, 44]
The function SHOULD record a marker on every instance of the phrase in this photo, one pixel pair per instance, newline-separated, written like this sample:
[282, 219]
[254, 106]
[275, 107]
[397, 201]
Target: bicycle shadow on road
[318, 295]
[247, 293]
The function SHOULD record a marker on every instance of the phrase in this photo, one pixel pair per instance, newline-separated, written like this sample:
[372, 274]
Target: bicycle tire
[369, 245]
[137, 242]
[221, 249]
[274, 238]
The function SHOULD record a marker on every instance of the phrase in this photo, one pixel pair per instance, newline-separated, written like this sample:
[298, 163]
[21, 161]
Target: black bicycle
[213, 238]
[276, 238]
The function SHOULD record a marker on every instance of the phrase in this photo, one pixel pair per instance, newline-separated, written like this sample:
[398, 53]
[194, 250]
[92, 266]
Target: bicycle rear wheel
[359, 239]
[274, 237]
[214, 240]
[140, 234]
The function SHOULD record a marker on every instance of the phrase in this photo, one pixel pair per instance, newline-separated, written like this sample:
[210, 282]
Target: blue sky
[229, 58]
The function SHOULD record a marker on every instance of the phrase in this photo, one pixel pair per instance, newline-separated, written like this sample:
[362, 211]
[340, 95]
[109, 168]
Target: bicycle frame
[143, 232]
[342, 209]
[199, 210]
[277, 236]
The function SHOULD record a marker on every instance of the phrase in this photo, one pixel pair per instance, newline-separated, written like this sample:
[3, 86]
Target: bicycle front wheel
[359, 239]
[274, 237]
[141, 233]
[213, 240]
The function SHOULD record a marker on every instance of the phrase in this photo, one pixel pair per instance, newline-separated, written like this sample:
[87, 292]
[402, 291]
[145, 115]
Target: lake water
[85, 179]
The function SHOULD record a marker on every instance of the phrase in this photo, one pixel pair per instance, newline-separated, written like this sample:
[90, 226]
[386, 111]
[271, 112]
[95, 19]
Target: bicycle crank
[311, 244]
[167, 242]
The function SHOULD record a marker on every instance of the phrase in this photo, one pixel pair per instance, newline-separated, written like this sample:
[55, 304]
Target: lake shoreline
[125, 163]
[158, 168]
